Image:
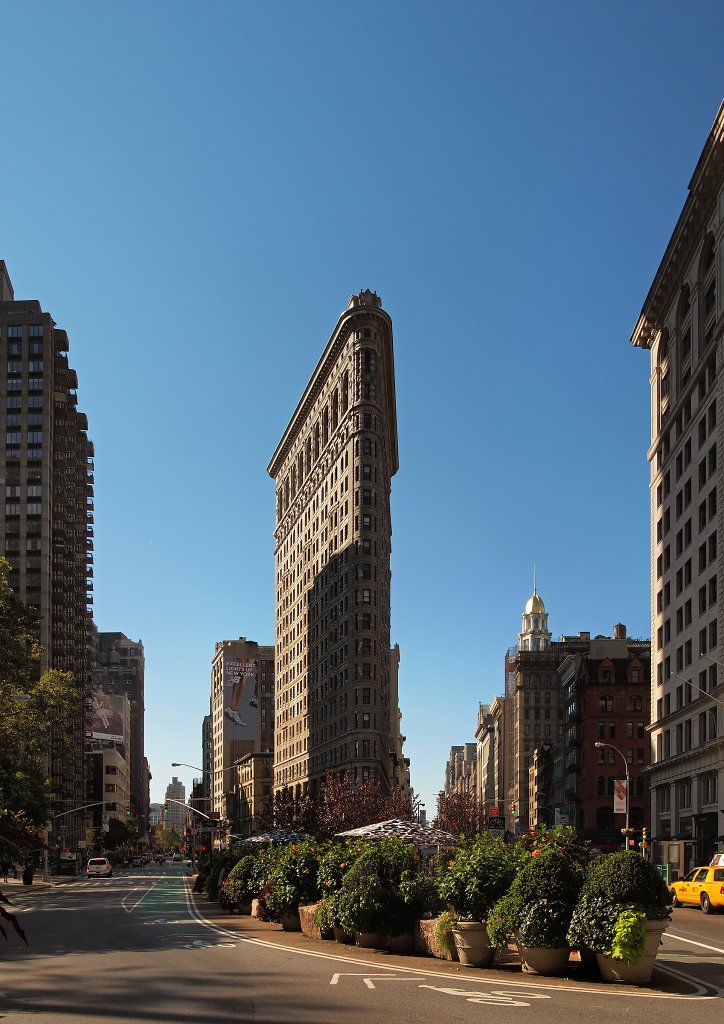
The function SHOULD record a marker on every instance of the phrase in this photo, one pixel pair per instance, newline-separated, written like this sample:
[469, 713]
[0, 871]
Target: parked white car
[98, 867]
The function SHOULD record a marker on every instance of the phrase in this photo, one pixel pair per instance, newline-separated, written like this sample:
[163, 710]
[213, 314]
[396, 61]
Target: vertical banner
[620, 794]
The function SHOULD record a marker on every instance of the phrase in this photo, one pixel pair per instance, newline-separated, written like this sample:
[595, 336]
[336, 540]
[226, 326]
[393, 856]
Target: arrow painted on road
[367, 978]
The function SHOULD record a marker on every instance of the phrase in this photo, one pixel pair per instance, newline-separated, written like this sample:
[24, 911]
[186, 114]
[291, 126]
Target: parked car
[176, 857]
[702, 887]
[98, 867]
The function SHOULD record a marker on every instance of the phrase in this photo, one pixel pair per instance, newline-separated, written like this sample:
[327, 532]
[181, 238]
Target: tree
[168, 837]
[459, 813]
[290, 809]
[35, 716]
[344, 804]
[19, 647]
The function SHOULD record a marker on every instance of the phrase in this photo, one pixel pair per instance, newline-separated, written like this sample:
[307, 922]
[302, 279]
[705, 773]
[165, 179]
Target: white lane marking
[129, 910]
[701, 988]
[601, 991]
[493, 998]
[714, 949]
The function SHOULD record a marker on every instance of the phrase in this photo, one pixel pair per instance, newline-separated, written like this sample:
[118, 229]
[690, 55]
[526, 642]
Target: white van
[98, 867]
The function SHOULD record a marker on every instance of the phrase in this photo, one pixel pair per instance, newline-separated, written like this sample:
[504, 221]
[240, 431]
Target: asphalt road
[139, 947]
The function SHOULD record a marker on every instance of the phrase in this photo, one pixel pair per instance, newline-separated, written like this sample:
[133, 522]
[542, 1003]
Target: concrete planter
[537, 960]
[291, 922]
[310, 928]
[370, 940]
[471, 942]
[404, 943]
[640, 972]
[425, 941]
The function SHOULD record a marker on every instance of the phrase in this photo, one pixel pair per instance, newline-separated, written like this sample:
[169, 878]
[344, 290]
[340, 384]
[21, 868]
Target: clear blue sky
[194, 190]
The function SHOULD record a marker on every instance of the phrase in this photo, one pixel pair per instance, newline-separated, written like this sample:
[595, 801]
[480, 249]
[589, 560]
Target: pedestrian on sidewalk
[5, 868]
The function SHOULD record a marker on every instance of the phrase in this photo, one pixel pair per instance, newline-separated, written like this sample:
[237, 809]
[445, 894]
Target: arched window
[309, 454]
[605, 703]
[316, 441]
[294, 480]
[300, 468]
[604, 819]
[683, 333]
[345, 393]
[707, 281]
[325, 426]
[335, 409]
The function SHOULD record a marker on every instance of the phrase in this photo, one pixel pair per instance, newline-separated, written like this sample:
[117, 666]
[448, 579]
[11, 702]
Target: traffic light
[644, 836]
[165, 808]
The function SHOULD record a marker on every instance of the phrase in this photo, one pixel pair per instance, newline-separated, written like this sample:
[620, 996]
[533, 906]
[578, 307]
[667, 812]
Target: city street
[139, 947]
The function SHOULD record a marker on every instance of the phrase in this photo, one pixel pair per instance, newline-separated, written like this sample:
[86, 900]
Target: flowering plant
[479, 872]
[293, 878]
[540, 904]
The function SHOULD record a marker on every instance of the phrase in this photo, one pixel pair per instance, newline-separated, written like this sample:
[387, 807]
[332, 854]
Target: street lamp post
[600, 744]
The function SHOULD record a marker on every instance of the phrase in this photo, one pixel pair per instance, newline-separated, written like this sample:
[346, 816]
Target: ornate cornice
[703, 189]
[362, 308]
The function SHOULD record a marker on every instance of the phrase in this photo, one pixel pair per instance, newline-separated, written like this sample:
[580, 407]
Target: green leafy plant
[246, 879]
[538, 908]
[293, 879]
[591, 927]
[443, 930]
[477, 874]
[385, 890]
[629, 935]
[614, 883]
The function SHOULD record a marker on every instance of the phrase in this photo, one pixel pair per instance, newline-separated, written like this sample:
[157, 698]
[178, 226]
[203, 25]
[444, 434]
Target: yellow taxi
[702, 887]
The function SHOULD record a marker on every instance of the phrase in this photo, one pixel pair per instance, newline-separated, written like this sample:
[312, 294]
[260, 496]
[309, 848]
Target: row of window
[15, 366]
[708, 792]
[16, 402]
[16, 330]
[16, 384]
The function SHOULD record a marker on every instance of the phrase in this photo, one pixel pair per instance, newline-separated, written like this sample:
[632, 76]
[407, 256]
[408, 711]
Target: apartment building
[682, 325]
[490, 755]
[242, 716]
[46, 519]
[332, 474]
[118, 668]
[607, 694]
[533, 706]
[175, 813]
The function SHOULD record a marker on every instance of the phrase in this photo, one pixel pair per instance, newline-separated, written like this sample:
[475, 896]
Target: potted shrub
[621, 914]
[244, 883]
[537, 911]
[334, 862]
[474, 877]
[382, 894]
[292, 880]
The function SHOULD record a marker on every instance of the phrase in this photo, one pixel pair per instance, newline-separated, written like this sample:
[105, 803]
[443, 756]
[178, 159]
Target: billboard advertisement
[106, 717]
[240, 699]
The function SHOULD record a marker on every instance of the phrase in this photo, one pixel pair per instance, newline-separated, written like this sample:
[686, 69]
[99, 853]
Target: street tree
[35, 714]
[459, 813]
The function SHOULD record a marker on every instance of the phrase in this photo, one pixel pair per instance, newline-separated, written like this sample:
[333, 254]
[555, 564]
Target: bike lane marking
[701, 991]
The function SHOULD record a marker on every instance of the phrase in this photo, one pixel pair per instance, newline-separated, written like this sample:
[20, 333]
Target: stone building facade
[682, 326]
[332, 473]
[46, 518]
